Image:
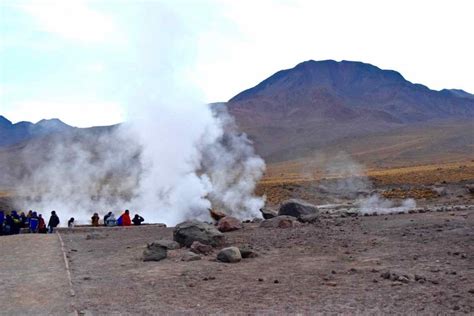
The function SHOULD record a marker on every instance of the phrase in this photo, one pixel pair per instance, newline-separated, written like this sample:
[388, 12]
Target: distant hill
[318, 104]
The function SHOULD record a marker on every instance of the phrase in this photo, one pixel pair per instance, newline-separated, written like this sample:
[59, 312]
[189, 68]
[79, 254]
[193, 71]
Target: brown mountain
[326, 105]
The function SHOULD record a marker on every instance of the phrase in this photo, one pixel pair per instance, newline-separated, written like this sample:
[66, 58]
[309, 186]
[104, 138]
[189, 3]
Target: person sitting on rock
[95, 220]
[110, 220]
[70, 222]
[124, 219]
[106, 217]
[138, 220]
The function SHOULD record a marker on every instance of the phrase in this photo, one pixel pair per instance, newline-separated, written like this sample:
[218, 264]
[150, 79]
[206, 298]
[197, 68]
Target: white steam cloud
[351, 181]
[172, 159]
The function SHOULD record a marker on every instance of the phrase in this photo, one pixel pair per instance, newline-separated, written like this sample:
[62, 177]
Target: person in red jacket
[124, 219]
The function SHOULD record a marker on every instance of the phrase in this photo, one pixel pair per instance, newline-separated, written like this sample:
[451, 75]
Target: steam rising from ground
[167, 166]
[351, 182]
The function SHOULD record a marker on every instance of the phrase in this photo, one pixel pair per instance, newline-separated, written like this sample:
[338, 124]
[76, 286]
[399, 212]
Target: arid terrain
[420, 262]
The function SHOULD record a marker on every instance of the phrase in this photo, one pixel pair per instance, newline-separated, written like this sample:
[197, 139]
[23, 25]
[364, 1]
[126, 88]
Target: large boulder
[155, 252]
[297, 208]
[230, 255]
[267, 213]
[190, 231]
[228, 224]
[283, 221]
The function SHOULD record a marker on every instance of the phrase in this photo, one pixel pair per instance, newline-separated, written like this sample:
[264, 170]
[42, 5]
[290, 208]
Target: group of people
[110, 220]
[13, 223]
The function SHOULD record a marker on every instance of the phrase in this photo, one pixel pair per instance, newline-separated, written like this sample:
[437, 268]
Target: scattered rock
[200, 248]
[395, 277]
[228, 224]
[230, 255]
[168, 244]
[297, 208]
[470, 188]
[279, 222]
[190, 256]
[247, 252]
[217, 215]
[311, 218]
[93, 236]
[155, 252]
[267, 213]
[187, 232]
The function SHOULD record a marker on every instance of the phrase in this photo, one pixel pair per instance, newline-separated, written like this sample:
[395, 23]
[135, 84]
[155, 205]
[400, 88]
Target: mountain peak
[4, 121]
[345, 77]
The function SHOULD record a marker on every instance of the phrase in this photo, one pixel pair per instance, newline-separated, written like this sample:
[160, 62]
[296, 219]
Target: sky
[88, 62]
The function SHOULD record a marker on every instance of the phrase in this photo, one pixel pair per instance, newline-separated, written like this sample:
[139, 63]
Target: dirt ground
[334, 266]
[33, 278]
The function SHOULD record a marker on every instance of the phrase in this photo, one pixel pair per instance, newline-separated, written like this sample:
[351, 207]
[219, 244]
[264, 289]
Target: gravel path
[33, 278]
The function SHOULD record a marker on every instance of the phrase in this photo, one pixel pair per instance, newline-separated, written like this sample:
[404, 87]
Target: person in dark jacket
[16, 223]
[70, 222]
[53, 222]
[106, 217]
[138, 220]
[9, 225]
[2, 220]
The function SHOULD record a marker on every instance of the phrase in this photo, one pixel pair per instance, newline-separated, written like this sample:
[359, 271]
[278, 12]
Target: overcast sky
[88, 62]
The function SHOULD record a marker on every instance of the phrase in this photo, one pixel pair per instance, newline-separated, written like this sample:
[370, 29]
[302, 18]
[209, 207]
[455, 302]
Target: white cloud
[71, 19]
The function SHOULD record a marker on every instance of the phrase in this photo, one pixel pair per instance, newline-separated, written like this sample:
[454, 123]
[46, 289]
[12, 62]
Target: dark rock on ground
[190, 256]
[230, 255]
[228, 224]
[187, 232]
[267, 213]
[247, 252]
[155, 252]
[297, 208]
[168, 244]
[200, 248]
[280, 222]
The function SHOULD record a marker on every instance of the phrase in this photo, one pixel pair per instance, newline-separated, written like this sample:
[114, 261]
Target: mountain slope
[318, 103]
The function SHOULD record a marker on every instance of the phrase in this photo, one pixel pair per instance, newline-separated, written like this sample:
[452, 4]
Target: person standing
[41, 225]
[70, 222]
[53, 222]
[2, 220]
[106, 217]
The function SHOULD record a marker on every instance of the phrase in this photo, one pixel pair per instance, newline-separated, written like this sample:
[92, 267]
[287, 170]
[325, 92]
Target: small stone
[229, 255]
[276, 281]
[190, 256]
[260, 280]
[200, 248]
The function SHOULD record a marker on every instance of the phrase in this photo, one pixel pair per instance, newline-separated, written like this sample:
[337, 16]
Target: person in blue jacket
[33, 223]
[2, 220]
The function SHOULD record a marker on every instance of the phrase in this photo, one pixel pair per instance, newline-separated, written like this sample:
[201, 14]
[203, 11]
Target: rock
[311, 218]
[470, 188]
[247, 252]
[201, 248]
[230, 255]
[187, 232]
[228, 224]
[282, 221]
[257, 220]
[168, 244]
[155, 252]
[297, 208]
[267, 213]
[190, 256]
[217, 215]
[441, 191]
